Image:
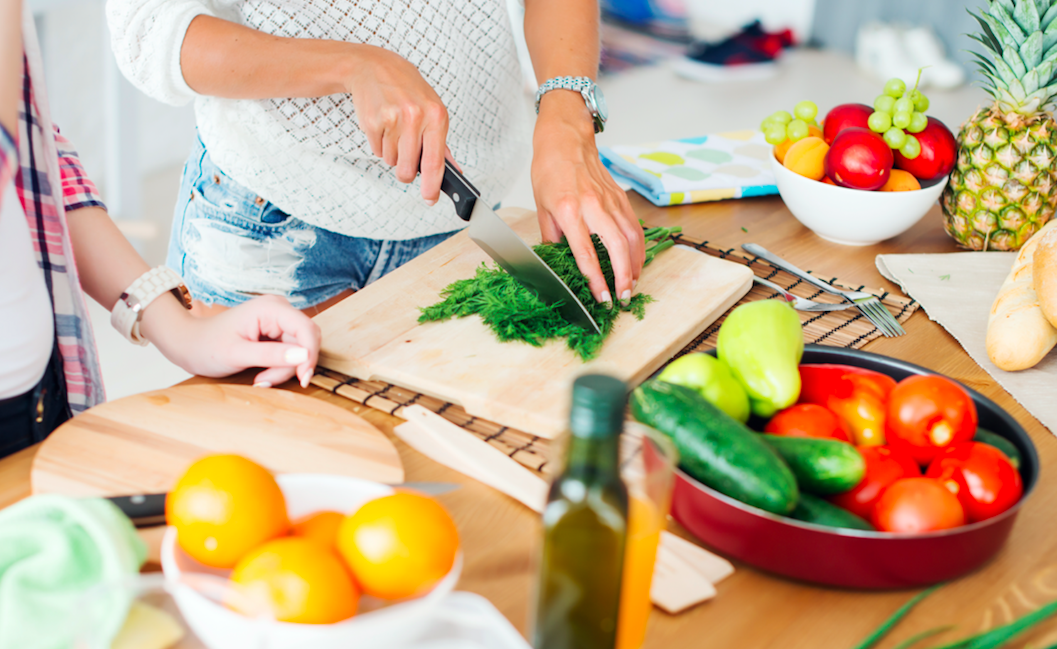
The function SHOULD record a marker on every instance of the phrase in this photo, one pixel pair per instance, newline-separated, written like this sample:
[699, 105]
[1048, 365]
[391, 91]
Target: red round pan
[853, 558]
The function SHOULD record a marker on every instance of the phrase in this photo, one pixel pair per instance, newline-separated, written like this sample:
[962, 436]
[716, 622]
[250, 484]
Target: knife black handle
[145, 510]
[459, 190]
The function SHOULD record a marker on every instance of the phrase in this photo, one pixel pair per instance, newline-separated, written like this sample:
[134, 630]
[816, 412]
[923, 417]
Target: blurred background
[671, 69]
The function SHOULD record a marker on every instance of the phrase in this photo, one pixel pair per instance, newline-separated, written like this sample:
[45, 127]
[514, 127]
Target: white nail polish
[296, 355]
[625, 297]
[262, 384]
[431, 203]
[607, 299]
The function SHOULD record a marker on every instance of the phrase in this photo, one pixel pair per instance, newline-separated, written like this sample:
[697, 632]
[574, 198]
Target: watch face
[600, 103]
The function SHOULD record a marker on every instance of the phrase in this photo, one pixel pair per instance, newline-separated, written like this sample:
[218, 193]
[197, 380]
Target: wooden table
[754, 610]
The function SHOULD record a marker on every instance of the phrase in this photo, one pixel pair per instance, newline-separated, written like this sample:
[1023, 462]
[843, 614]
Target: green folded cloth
[54, 550]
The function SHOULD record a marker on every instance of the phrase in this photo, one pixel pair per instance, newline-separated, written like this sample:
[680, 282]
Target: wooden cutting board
[375, 334]
[143, 443]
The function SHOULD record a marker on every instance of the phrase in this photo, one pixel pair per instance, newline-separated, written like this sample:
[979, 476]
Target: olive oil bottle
[585, 526]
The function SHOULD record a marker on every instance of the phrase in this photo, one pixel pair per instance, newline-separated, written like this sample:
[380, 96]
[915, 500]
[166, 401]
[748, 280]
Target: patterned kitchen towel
[695, 170]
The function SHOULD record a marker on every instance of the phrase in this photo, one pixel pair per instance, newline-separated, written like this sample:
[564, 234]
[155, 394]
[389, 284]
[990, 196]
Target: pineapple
[1004, 186]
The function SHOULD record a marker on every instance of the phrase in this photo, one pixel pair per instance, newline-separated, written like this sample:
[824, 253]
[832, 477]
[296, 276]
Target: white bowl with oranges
[355, 563]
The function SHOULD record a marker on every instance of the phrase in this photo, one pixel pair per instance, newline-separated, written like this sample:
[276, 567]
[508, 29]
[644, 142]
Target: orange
[321, 527]
[223, 507]
[900, 181]
[806, 157]
[297, 580]
[399, 546]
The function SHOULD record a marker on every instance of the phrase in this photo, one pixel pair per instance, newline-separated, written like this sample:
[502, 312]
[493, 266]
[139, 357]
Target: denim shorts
[231, 245]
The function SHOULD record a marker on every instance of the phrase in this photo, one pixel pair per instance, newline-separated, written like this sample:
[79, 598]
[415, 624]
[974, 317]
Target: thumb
[249, 353]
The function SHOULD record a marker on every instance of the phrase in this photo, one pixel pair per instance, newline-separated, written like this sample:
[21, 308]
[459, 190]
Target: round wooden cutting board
[143, 443]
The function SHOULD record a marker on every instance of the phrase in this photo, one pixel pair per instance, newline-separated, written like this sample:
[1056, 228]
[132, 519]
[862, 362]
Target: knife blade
[148, 510]
[508, 250]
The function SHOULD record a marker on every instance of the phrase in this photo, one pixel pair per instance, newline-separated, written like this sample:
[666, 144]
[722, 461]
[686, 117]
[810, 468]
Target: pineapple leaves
[1011, 26]
[997, 31]
[1026, 15]
[1004, 4]
[1048, 17]
[1005, 73]
[1012, 59]
[1049, 36]
[1031, 81]
[1031, 50]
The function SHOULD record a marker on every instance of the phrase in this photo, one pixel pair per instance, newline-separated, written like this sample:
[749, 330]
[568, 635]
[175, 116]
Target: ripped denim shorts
[231, 245]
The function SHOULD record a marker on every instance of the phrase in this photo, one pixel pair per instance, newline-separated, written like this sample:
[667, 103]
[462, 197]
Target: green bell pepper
[712, 379]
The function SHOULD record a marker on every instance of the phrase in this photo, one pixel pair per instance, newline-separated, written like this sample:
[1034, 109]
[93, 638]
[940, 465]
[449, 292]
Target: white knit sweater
[308, 156]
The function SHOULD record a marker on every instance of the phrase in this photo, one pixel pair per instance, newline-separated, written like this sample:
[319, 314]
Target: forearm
[10, 63]
[562, 38]
[224, 59]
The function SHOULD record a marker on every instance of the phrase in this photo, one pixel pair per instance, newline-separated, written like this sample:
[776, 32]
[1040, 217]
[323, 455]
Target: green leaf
[1006, 20]
[894, 619]
[1004, 4]
[999, 636]
[995, 32]
[914, 639]
[985, 63]
[1031, 81]
[1005, 73]
[1012, 59]
[986, 36]
[1049, 35]
[1031, 51]
[1026, 14]
[1047, 18]
[1016, 90]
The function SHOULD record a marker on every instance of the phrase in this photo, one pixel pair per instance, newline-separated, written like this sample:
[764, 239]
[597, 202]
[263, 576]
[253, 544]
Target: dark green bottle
[585, 526]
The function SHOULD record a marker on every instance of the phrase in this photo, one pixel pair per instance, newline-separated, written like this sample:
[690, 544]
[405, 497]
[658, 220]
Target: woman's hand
[264, 332]
[576, 197]
[405, 121]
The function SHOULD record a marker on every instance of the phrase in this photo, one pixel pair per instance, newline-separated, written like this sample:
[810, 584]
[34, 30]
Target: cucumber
[716, 449]
[1001, 443]
[812, 509]
[821, 466]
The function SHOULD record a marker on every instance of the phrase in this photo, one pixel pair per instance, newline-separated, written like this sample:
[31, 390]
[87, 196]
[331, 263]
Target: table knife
[508, 250]
[148, 510]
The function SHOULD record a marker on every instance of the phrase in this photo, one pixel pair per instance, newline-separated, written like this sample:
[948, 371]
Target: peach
[783, 148]
[900, 181]
[806, 158]
[828, 181]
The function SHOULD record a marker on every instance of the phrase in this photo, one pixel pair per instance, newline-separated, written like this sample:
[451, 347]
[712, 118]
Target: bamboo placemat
[847, 328]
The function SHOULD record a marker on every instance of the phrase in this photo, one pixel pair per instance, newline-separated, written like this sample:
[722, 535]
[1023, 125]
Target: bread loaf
[1018, 334]
[1044, 274]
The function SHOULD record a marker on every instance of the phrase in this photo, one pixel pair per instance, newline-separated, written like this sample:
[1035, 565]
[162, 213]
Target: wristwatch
[589, 90]
[127, 313]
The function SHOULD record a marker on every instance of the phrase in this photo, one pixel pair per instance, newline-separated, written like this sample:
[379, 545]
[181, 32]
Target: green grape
[884, 104]
[895, 137]
[901, 119]
[918, 122]
[805, 110]
[774, 133]
[879, 122]
[921, 102]
[796, 130]
[911, 148]
[904, 105]
[895, 88]
[782, 117]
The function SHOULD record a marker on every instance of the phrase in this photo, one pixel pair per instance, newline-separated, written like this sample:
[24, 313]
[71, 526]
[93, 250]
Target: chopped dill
[515, 313]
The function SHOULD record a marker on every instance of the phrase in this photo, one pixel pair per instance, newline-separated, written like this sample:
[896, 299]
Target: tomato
[916, 506]
[807, 420]
[854, 394]
[928, 413]
[883, 467]
[981, 476]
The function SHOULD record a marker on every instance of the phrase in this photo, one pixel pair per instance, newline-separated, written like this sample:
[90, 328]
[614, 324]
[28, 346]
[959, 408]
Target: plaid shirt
[51, 183]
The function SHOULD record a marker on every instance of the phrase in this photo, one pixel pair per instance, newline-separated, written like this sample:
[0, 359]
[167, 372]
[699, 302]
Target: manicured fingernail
[306, 379]
[625, 298]
[296, 355]
[607, 299]
[262, 384]
[432, 202]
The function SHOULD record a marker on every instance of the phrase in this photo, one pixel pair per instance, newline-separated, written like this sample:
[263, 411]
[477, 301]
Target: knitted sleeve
[78, 190]
[146, 36]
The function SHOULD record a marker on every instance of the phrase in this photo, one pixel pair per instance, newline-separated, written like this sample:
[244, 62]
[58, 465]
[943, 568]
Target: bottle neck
[597, 456]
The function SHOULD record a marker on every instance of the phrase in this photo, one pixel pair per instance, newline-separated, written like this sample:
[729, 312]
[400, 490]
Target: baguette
[1044, 274]
[1018, 334]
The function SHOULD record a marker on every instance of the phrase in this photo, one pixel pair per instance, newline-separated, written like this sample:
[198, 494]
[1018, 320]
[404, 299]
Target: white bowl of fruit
[865, 174]
[310, 560]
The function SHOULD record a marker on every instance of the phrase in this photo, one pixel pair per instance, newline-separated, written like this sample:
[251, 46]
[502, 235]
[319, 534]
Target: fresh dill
[514, 313]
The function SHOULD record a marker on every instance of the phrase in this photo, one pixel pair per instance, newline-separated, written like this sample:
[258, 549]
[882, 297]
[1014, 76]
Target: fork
[868, 304]
[801, 303]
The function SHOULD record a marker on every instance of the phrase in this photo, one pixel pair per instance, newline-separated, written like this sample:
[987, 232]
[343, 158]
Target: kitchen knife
[515, 256]
[148, 510]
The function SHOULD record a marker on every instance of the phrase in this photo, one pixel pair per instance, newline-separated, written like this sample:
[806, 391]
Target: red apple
[859, 159]
[939, 152]
[845, 116]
